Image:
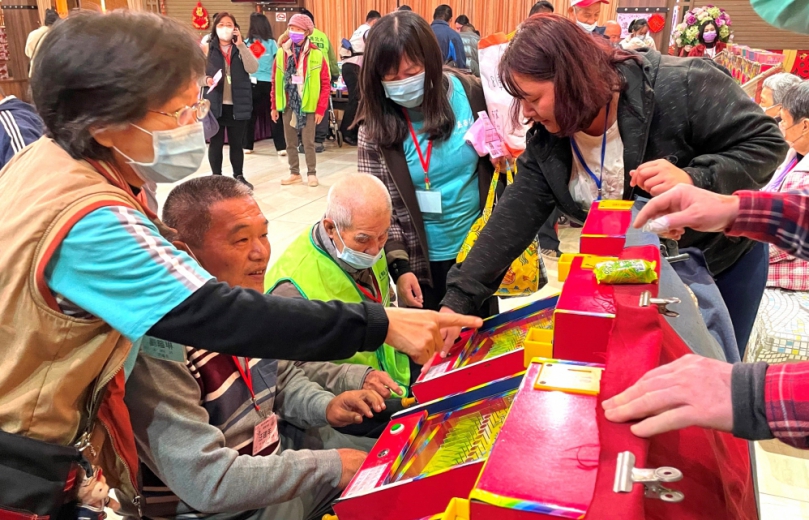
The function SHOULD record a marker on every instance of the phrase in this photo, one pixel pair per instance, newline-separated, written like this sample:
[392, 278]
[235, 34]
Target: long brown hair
[397, 35]
[582, 67]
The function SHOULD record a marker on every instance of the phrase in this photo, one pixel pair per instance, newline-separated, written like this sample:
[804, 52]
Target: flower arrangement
[686, 34]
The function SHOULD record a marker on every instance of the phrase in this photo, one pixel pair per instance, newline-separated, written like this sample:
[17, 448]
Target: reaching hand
[352, 462]
[349, 407]
[657, 177]
[690, 207]
[381, 383]
[318, 118]
[691, 391]
[274, 114]
[449, 334]
[409, 291]
[418, 333]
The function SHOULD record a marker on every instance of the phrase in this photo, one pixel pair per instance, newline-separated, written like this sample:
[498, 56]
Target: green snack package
[625, 272]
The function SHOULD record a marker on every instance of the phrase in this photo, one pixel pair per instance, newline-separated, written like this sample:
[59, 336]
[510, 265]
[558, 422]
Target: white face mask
[225, 33]
[177, 154]
[586, 26]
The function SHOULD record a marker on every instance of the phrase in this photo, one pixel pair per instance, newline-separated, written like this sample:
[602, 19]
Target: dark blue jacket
[445, 34]
[20, 125]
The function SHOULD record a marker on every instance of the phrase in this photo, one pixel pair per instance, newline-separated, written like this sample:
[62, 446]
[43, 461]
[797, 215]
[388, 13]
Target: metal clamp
[661, 303]
[626, 475]
[671, 252]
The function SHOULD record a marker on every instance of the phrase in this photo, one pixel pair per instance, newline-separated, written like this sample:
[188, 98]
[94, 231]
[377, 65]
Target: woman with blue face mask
[414, 117]
[89, 275]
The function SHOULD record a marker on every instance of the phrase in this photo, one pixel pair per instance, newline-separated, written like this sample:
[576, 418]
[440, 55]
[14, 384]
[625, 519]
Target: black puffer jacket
[684, 110]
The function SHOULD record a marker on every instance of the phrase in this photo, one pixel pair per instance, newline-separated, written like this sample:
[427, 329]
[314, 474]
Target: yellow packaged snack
[617, 272]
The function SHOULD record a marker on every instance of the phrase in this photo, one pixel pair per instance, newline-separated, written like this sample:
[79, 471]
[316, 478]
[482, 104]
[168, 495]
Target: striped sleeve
[114, 264]
[12, 130]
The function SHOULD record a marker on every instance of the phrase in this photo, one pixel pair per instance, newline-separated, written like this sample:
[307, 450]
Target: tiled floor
[783, 476]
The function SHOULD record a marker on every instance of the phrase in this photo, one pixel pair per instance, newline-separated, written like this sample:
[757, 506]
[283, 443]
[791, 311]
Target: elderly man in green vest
[342, 258]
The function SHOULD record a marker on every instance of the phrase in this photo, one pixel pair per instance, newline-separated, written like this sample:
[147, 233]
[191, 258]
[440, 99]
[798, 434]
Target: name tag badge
[297, 79]
[161, 349]
[229, 82]
[429, 201]
[265, 434]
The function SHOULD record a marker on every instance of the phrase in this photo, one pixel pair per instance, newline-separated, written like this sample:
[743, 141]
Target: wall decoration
[656, 23]
[199, 18]
[624, 19]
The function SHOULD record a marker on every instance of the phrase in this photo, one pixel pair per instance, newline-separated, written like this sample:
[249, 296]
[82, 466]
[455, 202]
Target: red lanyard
[375, 299]
[227, 54]
[425, 164]
[247, 376]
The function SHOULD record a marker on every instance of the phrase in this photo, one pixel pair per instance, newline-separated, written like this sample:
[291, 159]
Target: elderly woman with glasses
[85, 270]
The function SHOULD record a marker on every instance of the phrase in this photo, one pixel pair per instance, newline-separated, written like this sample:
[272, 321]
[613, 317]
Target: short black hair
[51, 17]
[188, 207]
[308, 13]
[443, 12]
[702, 28]
[405, 8]
[373, 15]
[637, 24]
[139, 62]
[462, 19]
[795, 100]
[260, 28]
[541, 6]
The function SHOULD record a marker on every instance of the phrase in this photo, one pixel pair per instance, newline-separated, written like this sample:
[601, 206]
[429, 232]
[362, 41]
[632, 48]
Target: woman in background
[709, 43]
[231, 96]
[260, 36]
[638, 36]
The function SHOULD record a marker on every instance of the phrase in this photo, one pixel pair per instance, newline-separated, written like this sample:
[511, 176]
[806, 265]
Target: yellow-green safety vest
[311, 83]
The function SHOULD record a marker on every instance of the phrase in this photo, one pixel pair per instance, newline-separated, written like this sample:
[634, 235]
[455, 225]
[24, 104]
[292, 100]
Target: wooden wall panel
[750, 29]
[19, 22]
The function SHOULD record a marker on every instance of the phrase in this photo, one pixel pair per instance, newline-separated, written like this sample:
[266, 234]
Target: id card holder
[161, 349]
[265, 434]
[229, 82]
[430, 202]
[297, 79]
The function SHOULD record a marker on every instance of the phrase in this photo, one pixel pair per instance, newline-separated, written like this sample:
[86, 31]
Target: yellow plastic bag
[527, 273]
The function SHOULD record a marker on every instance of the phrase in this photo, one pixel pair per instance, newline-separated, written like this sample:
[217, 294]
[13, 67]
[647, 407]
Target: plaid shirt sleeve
[786, 397]
[781, 219]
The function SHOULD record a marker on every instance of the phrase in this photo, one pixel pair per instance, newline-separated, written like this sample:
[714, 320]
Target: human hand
[449, 334]
[274, 114]
[237, 36]
[352, 462]
[691, 207]
[409, 291]
[209, 81]
[417, 333]
[657, 177]
[691, 391]
[349, 407]
[318, 119]
[381, 383]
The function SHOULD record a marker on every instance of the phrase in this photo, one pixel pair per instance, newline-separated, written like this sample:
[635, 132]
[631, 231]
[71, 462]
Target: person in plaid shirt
[753, 401]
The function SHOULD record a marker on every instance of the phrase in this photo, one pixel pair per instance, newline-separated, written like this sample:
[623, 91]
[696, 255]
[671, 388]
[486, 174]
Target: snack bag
[619, 272]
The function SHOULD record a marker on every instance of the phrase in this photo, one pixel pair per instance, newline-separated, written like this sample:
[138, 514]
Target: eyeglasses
[189, 115]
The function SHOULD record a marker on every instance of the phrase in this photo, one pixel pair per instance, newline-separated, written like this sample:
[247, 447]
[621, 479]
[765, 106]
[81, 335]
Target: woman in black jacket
[232, 96]
[615, 125]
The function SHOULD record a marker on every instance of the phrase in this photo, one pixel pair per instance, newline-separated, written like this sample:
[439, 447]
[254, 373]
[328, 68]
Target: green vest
[320, 39]
[317, 276]
[311, 83]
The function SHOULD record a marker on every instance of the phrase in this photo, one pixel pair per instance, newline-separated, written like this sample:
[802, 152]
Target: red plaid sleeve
[781, 219]
[786, 397]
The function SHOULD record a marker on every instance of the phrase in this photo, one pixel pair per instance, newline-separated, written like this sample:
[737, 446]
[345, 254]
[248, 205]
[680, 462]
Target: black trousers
[548, 237]
[261, 109]
[322, 130]
[236, 130]
[351, 76]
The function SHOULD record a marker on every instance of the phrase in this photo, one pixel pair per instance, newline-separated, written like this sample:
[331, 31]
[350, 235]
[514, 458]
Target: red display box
[428, 455]
[604, 231]
[494, 351]
[545, 461]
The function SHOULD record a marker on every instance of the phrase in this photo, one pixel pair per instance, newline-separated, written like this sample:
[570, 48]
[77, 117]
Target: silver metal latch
[626, 475]
[661, 303]
[671, 251]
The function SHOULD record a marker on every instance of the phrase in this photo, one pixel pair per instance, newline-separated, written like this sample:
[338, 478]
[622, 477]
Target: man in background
[404, 8]
[586, 13]
[471, 42]
[541, 7]
[20, 126]
[351, 77]
[35, 36]
[448, 40]
[323, 43]
[612, 31]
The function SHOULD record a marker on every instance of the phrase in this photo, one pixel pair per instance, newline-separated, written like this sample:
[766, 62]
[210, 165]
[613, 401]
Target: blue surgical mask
[177, 154]
[408, 92]
[356, 259]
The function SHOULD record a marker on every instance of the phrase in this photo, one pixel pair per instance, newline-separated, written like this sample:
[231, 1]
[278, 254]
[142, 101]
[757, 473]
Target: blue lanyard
[576, 150]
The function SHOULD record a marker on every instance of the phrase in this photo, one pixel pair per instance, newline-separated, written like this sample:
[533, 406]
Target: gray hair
[795, 100]
[188, 206]
[779, 83]
[354, 191]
